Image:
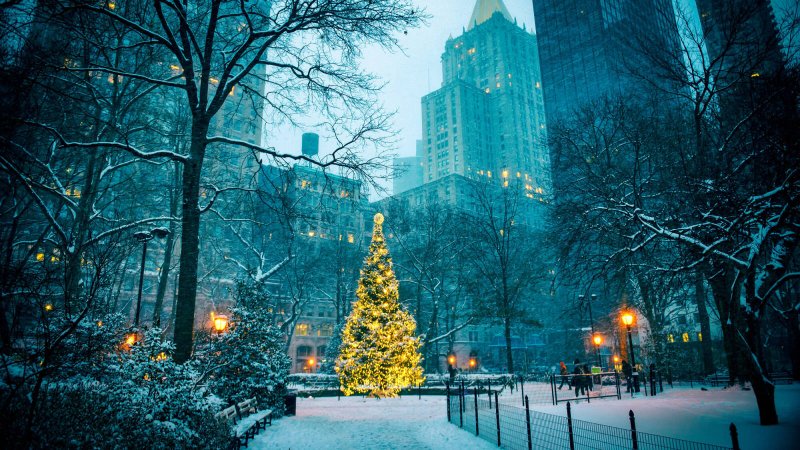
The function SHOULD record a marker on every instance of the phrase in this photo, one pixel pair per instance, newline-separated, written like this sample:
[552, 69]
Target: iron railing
[513, 427]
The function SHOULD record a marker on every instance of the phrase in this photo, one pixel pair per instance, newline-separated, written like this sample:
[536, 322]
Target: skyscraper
[487, 119]
[591, 48]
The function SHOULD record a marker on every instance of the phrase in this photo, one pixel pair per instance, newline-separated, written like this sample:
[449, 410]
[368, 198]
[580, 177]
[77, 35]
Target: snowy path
[357, 423]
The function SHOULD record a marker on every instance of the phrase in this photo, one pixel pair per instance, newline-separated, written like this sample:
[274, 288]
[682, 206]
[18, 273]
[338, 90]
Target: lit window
[685, 337]
[700, 337]
[538, 85]
[301, 329]
[350, 238]
[670, 338]
[311, 234]
[471, 51]
[112, 5]
[489, 173]
[487, 90]
[40, 257]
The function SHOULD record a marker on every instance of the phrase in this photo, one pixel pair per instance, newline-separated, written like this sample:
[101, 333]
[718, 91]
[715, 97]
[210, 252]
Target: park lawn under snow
[410, 423]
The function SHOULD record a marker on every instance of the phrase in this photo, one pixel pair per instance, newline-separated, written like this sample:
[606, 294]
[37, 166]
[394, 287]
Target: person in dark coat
[627, 370]
[578, 381]
[652, 378]
[589, 382]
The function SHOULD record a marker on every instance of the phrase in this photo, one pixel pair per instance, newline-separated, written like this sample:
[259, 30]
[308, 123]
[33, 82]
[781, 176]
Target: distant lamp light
[472, 363]
[451, 360]
[311, 362]
[130, 339]
[48, 307]
[616, 359]
[220, 323]
[597, 339]
[627, 319]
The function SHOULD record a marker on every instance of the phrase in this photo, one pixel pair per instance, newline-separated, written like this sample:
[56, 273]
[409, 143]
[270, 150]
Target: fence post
[475, 392]
[490, 398]
[447, 391]
[645, 386]
[634, 438]
[461, 408]
[497, 416]
[734, 437]
[528, 422]
[522, 388]
[553, 388]
[619, 391]
[463, 392]
[569, 427]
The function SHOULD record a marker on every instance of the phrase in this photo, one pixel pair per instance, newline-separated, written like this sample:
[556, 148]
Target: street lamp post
[144, 237]
[627, 319]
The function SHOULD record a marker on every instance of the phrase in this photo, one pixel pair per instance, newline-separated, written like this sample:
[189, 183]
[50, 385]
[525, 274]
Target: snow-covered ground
[409, 423]
[358, 423]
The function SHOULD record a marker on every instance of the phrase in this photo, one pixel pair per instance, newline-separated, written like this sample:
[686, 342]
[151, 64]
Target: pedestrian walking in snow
[564, 375]
[578, 381]
[627, 370]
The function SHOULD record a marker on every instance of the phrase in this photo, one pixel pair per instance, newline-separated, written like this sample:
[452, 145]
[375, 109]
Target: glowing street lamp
[628, 319]
[451, 360]
[220, 323]
[472, 363]
[597, 339]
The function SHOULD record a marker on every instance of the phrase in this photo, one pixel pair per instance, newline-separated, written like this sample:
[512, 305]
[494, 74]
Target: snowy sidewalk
[357, 423]
[696, 415]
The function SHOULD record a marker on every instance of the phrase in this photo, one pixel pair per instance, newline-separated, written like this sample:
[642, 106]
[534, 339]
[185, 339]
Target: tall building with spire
[487, 119]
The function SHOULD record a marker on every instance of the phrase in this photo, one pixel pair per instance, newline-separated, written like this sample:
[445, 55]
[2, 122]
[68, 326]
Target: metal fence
[513, 427]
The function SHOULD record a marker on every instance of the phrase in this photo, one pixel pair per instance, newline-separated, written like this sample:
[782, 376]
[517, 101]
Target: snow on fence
[514, 427]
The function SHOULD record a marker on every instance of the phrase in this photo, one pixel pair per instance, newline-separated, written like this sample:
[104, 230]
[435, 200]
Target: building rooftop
[485, 9]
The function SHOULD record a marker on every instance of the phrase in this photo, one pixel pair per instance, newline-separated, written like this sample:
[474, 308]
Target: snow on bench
[247, 421]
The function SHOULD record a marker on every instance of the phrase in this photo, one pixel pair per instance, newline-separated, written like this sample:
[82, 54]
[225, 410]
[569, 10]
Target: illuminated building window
[670, 338]
[350, 238]
[685, 337]
[40, 257]
[471, 51]
[700, 337]
[311, 234]
[301, 329]
[487, 90]
[538, 85]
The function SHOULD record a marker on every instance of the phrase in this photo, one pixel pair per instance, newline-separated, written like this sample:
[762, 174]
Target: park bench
[245, 420]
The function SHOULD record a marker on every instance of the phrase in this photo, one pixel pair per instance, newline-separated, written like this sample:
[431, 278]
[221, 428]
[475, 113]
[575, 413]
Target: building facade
[488, 117]
[594, 48]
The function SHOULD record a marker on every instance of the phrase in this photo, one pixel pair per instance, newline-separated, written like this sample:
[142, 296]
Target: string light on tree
[379, 353]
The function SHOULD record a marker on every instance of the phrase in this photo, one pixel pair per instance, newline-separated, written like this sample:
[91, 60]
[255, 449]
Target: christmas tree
[379, 353]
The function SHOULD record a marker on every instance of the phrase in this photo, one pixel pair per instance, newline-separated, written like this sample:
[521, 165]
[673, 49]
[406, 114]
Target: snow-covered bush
[130, 395]
[249, 359]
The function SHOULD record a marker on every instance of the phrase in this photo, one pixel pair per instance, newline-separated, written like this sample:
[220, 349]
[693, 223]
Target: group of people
[581, 380]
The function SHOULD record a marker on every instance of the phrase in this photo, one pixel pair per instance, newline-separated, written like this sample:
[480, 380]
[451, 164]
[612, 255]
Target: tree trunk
[763, 387]
[705, 324]
[170, 244]
[190, 243]
[721, 290]
[509, 357]
[794, 343]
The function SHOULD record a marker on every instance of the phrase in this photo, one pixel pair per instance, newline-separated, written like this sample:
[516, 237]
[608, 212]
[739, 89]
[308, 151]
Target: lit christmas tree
[379, 353]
